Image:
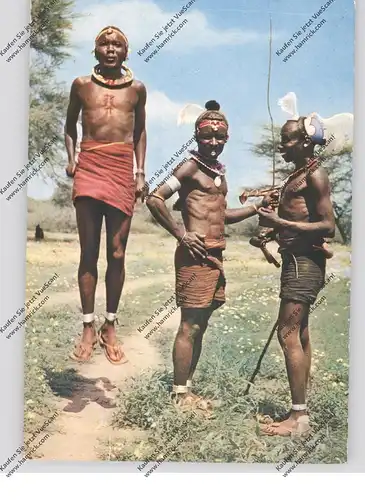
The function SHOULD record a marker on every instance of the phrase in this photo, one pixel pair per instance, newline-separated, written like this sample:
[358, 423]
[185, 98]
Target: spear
[258, 366]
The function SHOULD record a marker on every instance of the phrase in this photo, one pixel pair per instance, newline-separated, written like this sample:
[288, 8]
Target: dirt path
[85, 416]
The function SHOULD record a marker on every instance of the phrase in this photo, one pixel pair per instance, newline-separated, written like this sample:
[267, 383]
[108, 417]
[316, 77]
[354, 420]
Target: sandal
[81, 348]
[116, 347]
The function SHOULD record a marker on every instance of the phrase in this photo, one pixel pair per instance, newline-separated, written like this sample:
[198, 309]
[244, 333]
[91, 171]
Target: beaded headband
[109, 30]
[215, 124]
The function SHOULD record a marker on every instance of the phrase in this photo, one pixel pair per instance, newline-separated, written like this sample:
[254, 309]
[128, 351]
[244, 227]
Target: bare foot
[110, 344]
[264, 419]
[190, 401]
[86, 345]
[202, 404]
[292, 426]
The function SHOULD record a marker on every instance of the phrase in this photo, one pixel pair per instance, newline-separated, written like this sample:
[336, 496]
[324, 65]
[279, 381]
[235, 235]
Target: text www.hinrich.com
[310, 34]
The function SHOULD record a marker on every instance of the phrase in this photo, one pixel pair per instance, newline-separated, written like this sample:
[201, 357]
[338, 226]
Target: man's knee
[288, 338]
[189, 330]
[89, 258]
[117, 254]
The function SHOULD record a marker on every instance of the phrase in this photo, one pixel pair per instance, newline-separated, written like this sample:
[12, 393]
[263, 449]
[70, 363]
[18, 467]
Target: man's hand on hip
[195, 244]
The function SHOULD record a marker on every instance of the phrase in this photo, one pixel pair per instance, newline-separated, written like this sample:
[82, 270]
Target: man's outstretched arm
[233, 215]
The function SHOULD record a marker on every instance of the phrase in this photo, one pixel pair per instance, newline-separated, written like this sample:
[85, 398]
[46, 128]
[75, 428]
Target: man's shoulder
[186, 170]
[316, 171]
[139, 86]
[81, 80]
[317, 179]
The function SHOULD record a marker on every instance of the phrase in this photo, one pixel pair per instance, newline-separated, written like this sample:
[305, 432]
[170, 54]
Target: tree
[338, 166]
[62, 196]
[50, 30]
[51, 25]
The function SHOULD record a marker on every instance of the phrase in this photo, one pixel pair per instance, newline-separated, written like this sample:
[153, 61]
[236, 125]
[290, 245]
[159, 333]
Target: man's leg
[89, 221]
[117, 230]
[188, 346]
[292, 316]
[306, 345]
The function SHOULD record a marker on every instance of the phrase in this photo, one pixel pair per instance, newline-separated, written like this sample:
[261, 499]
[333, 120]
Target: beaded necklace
[219, 169]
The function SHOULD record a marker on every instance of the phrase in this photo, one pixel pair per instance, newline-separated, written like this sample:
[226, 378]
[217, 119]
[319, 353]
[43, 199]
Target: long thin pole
[268, 105]
[258, 366]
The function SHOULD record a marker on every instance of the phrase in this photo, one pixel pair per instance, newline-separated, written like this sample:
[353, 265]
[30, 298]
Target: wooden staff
[262, 192]
[258, 366]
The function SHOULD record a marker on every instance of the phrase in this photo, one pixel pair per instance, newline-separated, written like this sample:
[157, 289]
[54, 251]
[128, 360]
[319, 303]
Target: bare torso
[203, 203]
[297, 204]
[107, 114]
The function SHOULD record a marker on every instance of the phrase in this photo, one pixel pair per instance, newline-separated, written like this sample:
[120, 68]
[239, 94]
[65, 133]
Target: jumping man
[200, 281]
[113, 125]
[305, 217]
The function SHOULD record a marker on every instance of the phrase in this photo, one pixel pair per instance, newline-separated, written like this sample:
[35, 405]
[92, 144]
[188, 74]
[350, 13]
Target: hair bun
[212, 106]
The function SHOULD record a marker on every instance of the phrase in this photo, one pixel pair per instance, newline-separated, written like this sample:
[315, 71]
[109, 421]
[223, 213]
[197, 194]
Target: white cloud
[142, 19]
[161, 109]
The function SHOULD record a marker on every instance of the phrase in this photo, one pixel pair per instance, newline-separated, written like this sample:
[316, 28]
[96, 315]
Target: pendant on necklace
[218, 181]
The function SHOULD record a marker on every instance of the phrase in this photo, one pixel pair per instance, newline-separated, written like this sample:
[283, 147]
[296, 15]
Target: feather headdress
[336, 131]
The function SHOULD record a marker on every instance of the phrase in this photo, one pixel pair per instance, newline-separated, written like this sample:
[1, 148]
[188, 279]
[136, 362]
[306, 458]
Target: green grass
[235, 337]
[232, 346]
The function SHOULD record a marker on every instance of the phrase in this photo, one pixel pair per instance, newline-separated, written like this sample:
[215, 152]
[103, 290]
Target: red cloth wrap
[104, 171]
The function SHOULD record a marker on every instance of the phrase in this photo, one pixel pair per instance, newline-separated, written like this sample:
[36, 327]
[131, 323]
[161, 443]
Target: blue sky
[222, 54]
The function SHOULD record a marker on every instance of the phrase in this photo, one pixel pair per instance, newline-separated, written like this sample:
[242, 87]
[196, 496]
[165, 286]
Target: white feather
[341, 126]
[288, 103]
[189, 114]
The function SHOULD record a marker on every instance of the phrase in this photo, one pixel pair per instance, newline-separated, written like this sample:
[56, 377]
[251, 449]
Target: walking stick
[258, 366]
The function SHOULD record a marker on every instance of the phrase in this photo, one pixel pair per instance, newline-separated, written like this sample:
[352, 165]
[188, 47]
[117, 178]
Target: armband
[173, 183]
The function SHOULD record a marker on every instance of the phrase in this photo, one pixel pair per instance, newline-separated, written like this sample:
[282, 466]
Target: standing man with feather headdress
[200, 281]
[113, 132]
[303, 221]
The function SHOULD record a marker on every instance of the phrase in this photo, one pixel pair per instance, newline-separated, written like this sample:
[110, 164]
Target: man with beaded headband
[200, 281]
[113, 133]
[304, 220]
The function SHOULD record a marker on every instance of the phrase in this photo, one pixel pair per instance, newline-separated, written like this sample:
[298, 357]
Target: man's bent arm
[319, 188]
[140, 135]
[73, 111]
[157, 207]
